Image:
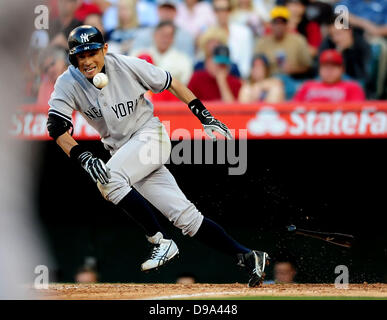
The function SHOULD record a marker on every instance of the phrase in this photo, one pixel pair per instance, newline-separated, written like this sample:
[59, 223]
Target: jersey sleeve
[151, 77]
[61, 102]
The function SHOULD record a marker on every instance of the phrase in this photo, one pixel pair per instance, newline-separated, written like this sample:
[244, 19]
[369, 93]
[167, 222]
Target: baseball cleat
[163, 251]
[255, 262]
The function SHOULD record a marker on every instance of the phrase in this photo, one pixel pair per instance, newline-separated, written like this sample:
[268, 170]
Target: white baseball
[100, 80]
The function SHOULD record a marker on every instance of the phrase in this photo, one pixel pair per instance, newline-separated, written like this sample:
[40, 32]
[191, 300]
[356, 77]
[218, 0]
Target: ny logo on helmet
[84, 37]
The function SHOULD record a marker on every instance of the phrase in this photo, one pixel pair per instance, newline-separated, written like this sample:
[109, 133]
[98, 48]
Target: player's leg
[123, 167]
[215, 236]
[164, 248]
[135, 206]
[130, 164]
[160, 189]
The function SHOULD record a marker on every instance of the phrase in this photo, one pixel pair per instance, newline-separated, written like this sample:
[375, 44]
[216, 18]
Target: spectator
[166, 11]
[61, 27]
[195, 16]
[53, 9]
[53, 62]
[146, 12]
[207, 42]
[95, 20]
[299, 22]
[287, 52]
[215, 82]
[121, 39]
[39, 41]
[86, 8]
[353, 47]
[260, 87]
[331, 87]
[86, 275]
[186, 278]
[369, 27]
[284, 272]
[245, 13]
[167, 57]
[240, 37]
[319, 11]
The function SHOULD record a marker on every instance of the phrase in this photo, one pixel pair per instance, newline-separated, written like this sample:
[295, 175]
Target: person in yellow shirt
[287, 52]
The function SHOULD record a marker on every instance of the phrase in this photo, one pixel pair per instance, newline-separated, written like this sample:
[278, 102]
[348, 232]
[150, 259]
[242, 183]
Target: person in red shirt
[215, 82]
[331, 87]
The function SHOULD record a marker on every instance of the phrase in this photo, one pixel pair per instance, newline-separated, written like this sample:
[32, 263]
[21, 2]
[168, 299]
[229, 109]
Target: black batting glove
[210, 124]
[95, 167]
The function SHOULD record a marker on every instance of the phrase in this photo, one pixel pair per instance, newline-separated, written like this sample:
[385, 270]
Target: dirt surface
[203, 291]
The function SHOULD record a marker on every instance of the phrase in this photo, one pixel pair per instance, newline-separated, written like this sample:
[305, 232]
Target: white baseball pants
[140, 163]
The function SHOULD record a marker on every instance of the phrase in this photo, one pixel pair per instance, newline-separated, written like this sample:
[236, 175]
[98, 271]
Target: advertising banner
[254, 121]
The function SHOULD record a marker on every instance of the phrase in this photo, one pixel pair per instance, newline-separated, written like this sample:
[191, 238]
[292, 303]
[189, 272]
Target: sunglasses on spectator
[222, 8]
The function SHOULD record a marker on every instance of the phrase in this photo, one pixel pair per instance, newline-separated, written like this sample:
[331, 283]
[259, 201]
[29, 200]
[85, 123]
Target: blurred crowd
[230, 50]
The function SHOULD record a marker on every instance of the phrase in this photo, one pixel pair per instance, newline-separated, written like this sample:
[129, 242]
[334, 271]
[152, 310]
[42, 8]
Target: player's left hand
[211, 124]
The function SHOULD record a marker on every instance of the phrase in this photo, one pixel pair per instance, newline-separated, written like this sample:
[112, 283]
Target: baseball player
[139, 146]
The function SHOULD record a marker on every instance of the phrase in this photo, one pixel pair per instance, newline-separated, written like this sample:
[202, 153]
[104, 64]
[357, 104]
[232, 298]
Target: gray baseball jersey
[120, 108]
[138, 141]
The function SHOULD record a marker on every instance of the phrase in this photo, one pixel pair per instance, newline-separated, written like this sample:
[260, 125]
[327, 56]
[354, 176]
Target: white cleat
[163, 251]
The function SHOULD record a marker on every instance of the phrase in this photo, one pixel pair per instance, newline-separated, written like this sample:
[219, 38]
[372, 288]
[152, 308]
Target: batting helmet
[84, 38]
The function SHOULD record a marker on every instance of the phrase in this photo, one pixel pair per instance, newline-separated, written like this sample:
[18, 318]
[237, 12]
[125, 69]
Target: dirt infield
[206, 291]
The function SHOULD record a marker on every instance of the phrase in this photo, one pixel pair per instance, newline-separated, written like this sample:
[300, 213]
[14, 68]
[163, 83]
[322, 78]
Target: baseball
[100, 80]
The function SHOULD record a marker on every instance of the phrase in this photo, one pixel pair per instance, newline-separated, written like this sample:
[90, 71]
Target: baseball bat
[340, 239]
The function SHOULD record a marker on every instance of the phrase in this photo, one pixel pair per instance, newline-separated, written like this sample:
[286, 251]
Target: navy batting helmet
[84, 38]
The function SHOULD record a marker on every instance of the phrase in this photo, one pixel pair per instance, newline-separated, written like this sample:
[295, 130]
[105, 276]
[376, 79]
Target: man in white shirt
[165, 56]
[166, 11]
[240, 37]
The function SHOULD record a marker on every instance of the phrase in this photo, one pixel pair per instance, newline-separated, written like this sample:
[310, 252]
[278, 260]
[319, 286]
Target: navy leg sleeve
[140, 211]
[213, 235]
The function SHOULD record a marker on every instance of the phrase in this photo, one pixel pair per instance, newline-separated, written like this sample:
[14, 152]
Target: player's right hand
[95, 167]
[210, 124]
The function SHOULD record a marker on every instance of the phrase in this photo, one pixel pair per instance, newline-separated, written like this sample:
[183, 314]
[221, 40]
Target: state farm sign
[367, 122]
[277, 121]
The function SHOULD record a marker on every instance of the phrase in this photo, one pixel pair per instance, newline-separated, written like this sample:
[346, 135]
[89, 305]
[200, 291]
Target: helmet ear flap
[73, 60]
